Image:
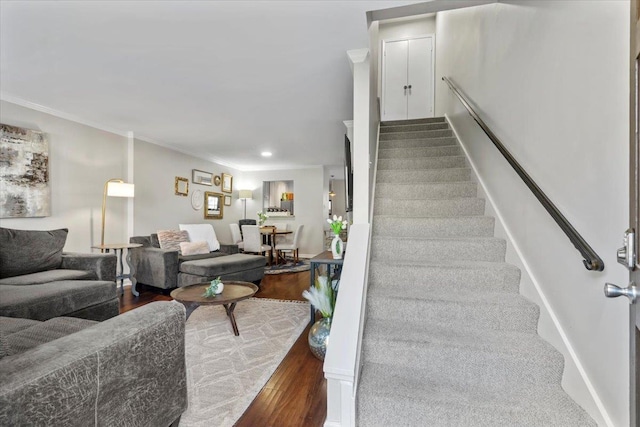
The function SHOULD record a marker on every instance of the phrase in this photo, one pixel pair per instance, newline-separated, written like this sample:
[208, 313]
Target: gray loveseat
[38, 281]
[168, 269]
[125, 371]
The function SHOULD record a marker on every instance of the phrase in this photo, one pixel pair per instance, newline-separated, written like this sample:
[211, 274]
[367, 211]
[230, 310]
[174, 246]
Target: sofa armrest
[104, 265]
[229, 248]
[128, 370]
[156, 267]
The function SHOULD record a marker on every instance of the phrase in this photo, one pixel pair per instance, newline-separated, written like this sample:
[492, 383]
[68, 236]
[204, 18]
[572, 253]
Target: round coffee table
[192, 297]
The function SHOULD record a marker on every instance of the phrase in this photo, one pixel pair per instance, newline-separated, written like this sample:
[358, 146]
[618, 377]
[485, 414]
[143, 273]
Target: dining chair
[245, 221]
[236, 236]
[253, 241]
[291, 247]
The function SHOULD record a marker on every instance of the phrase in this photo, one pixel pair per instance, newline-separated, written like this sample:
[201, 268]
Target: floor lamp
[114, 188]
[244, 195]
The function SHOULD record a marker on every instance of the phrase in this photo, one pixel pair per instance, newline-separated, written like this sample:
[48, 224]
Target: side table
[119, 248]
[325, 258]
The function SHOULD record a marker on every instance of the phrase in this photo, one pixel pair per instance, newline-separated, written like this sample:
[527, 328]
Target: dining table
[271, 234]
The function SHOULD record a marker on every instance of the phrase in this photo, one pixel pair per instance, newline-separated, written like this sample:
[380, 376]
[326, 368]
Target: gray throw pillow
[30, 251]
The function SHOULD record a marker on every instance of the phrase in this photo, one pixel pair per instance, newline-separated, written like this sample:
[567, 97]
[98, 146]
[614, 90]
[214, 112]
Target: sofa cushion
[183, 258]
[204, 232]
[219, 266]
[194, 248]
[171, 239]
[54, 299]
[48, 276]
[43, 332]
[30, 251]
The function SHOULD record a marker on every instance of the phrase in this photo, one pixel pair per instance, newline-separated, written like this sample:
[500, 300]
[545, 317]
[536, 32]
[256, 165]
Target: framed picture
[24, 168]
[213, 205]
[217, 180]
[201, 177]
[227, 200]
[227, 183]
[182, 186]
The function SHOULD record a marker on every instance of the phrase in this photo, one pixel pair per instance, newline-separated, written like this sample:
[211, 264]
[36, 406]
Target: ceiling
[221, 80]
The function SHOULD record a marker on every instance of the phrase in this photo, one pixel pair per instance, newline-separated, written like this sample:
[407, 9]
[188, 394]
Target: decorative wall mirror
[213, 205]
[182, 186]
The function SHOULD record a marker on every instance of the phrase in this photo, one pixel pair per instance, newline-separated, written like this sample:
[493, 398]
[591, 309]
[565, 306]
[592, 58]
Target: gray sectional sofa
[125, 371]
[59, 365]
[168, 269]
[38, 281]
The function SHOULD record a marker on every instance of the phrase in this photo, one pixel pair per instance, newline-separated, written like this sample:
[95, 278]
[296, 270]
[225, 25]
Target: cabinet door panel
[395, 78]
[420, 72]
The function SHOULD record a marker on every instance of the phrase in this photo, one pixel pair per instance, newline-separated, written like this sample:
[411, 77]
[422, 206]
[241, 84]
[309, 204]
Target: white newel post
[359, 61]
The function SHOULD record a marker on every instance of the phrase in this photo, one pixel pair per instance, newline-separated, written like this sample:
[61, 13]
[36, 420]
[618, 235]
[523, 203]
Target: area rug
[225, 372]
[289, 267]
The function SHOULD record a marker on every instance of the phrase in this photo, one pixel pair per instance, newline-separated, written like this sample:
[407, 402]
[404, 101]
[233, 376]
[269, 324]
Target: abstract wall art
[24, 173]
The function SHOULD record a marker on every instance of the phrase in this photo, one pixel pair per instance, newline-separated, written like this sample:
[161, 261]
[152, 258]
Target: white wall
[308, 187]
[81, 160]
[550, 79]
[156, 205]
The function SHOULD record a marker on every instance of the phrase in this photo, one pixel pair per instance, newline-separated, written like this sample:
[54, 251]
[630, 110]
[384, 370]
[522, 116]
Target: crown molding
[61, 114]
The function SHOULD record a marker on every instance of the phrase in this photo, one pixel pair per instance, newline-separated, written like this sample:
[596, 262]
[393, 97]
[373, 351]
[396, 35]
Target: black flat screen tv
[348, 175]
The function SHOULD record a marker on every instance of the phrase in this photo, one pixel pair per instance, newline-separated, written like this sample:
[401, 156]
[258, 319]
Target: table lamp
[114, 188]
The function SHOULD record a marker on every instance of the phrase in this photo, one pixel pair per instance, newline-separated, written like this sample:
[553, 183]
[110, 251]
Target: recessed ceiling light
[266, 154]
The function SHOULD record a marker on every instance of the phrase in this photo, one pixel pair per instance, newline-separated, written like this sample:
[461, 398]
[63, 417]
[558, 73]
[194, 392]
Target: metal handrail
[591, 259]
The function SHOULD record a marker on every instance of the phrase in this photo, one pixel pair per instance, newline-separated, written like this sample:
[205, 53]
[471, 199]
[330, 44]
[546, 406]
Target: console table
[119, 248]
[325, 258]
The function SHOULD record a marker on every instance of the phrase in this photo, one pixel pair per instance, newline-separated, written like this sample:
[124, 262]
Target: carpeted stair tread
[413, 127]
[460, 206]
[427, 190]
[400, 397]
[413, 121]
[447, 226]
[521, 344]
[429, 175]
[481, 356]
[395, 248]
[408, 153]
[421, 163]
[421, 276]
[440, 133]
[480, 309]
[416, 143]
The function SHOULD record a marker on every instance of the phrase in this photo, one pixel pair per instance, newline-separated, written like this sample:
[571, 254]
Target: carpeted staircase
[448, 340]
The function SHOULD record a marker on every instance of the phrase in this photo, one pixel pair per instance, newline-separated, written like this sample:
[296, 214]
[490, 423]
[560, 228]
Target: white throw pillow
[199, 232]
[194, 248]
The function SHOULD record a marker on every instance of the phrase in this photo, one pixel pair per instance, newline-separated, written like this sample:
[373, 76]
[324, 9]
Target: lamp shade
[245, 194]
[120, 189]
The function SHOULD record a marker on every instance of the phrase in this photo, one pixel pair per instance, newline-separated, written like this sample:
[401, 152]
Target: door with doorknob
[628, 255]
[407, 79]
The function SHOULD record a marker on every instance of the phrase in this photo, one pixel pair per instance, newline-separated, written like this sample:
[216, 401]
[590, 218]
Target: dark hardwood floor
[295, 395]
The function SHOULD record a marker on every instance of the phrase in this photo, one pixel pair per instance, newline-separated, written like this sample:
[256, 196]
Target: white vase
[337, 247]
[220, 288]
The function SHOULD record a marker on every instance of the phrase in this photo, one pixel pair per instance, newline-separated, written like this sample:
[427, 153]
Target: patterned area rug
[289, 267]
[225, 372]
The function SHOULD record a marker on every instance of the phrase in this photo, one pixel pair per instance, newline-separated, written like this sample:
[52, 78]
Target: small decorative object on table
[262, 217]
[214, 289]
[323, 297]
[337, 246]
